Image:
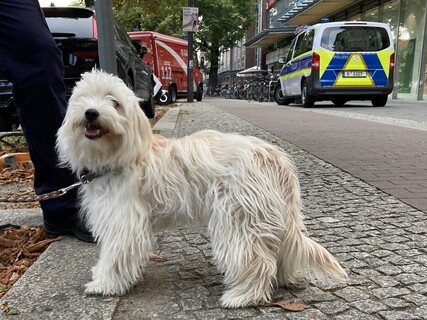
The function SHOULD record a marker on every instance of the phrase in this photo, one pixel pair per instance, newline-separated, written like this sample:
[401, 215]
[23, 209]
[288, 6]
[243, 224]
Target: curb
[166, 125]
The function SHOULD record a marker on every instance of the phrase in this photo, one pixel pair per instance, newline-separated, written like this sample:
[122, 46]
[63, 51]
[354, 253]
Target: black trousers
[31, 60]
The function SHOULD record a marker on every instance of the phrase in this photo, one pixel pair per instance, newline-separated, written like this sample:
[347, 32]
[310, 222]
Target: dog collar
[86, 176]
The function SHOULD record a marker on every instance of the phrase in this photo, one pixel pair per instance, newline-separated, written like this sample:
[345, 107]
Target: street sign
[190, 19]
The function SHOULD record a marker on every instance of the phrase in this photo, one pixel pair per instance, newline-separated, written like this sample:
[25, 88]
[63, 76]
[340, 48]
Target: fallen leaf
[12, 312]
[288, 305]
[5, 306]
[155, 257]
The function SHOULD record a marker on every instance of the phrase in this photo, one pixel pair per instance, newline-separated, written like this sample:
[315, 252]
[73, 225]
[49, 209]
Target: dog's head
[104, 127]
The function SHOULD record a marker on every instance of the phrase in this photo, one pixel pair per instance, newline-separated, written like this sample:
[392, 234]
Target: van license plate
[354, 74]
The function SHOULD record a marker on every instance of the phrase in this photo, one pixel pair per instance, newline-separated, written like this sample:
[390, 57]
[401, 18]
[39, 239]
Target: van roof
[349, 23]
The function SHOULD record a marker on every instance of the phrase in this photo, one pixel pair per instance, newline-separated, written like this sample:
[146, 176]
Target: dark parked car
[8, 115]
[74, 30]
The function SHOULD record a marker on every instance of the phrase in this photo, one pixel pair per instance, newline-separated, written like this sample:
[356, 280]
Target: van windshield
[355, 38]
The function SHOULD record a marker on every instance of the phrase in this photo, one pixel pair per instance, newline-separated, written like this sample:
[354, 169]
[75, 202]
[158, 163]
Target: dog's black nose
[91, 114]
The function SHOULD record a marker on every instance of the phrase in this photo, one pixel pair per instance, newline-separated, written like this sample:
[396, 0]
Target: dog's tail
[299, 256]
[303, 258]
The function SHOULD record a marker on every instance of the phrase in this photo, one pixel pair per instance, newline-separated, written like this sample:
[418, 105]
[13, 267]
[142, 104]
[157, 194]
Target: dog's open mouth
[94, 131]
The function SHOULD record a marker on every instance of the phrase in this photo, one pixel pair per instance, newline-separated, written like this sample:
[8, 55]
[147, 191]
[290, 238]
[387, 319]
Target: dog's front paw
[98, 287]
[228, 300]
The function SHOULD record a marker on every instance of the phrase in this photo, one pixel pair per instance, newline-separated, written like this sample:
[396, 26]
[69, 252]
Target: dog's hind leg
[247, 260]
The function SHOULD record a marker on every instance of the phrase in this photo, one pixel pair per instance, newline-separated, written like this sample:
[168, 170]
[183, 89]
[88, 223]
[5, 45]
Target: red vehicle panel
[168, 56]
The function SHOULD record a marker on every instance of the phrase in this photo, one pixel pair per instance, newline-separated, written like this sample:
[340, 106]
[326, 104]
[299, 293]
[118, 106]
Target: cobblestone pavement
[380, 241]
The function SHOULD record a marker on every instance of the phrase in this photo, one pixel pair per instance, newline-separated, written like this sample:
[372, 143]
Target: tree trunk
[213, 73]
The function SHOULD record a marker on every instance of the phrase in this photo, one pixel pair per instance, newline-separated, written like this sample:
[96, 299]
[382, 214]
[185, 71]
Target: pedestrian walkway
[387, 152]
[379, 240]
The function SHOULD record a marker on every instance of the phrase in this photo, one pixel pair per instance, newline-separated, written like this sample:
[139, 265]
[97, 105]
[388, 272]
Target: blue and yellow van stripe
[375, 64]
[300, 65]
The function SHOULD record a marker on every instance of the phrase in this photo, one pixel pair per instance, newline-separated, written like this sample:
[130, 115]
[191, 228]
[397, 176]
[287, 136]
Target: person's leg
[31, 60]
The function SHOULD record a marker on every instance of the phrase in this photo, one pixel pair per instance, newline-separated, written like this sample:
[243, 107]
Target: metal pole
[190, 88]
[106, 47]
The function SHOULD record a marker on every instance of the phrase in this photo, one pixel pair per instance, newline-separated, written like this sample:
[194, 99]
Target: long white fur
[244, 189]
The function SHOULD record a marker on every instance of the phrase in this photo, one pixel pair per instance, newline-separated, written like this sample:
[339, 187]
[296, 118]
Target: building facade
[277, 20]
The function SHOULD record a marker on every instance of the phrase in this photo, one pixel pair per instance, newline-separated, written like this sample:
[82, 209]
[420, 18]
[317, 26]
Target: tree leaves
[223, 22]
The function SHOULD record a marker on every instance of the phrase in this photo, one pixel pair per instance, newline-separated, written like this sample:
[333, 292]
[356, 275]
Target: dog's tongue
[92, 131]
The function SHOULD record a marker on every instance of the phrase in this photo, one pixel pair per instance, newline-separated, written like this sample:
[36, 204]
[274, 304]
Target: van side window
[289, 54]
[304, 42]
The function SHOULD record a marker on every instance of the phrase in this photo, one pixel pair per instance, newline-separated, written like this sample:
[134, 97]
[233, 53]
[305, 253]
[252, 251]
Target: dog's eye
[116, 104]
[114, 101]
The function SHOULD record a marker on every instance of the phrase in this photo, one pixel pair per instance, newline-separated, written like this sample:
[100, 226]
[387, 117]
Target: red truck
[168, 56]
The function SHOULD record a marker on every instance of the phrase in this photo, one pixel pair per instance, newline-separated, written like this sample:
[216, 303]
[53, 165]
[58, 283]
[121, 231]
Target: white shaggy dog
[243, 188]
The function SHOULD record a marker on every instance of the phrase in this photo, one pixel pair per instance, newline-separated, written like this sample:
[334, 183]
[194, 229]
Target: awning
[228, 74]
[315, 11]
[251, 71]
[270, 36]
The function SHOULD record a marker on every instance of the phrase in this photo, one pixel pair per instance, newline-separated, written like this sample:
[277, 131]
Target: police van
[338, 61]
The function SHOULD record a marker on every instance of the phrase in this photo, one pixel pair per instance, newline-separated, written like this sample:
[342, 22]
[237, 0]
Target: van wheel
[172, 92]
[339, 102]
[307, 100]
[279, 96]
[199, 94]
[380, 101]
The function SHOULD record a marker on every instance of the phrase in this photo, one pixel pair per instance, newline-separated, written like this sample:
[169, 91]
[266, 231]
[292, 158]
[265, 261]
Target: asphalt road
[386, 147]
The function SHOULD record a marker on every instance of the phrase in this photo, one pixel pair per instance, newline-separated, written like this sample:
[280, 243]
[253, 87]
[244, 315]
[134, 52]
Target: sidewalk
[379, 240]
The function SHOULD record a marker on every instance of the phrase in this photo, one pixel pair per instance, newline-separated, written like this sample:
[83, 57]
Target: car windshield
[69, 22]
[355, 38]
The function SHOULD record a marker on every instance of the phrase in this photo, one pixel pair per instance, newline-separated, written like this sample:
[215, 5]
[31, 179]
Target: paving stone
[351, 294]
[398, 315]
[417, 299]
[369, 306]
[396, 303]
[332, 307]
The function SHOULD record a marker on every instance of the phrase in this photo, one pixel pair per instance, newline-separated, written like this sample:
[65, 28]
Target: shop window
[372, 14]
[410, 49]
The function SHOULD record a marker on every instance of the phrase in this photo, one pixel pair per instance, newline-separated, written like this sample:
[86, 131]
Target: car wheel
[150, 108]
[279, 96]
[129, 82]
[199, 94]
[380, 101]
[172, 92]
[307, 100]
[339, 102]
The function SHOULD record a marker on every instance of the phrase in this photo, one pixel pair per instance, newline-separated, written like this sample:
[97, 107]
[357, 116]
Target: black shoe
[76, 227]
